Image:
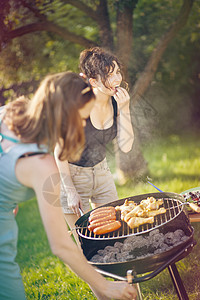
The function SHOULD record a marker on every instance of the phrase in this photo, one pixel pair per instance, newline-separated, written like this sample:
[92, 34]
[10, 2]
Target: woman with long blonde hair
[29, 131]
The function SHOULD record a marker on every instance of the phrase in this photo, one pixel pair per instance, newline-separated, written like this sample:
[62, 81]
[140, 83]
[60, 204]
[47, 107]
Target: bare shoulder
[34, 168]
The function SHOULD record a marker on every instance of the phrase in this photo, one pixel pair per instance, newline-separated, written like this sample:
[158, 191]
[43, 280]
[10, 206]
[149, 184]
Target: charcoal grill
[175, 218]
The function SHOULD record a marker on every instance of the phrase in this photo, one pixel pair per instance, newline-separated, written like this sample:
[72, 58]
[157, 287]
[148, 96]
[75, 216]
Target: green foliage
[172, 91]
[151, 20]
[68, 16]
[24, 60]
[181, 53]
[174, 165]
[35, 55]
[173, 162]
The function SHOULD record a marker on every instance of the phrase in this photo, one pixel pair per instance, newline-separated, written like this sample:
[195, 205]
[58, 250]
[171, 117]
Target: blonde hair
[52, 115]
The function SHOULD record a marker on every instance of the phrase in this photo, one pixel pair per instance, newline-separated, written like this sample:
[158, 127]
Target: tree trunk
[133, 164]
[125, 33]
[105, 31]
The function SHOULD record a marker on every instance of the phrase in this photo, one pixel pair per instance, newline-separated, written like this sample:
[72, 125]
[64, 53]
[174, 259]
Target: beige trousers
[94, 184]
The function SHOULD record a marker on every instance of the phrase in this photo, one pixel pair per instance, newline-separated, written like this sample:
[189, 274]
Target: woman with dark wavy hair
[29, 131]
[89, 178]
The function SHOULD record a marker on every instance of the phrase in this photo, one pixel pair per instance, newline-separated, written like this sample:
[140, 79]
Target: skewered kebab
[192, 198]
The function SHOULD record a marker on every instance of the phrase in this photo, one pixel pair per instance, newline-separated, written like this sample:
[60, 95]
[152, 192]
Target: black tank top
[96, 141]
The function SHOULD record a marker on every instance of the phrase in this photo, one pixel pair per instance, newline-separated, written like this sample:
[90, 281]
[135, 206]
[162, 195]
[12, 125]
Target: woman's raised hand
[122, 97]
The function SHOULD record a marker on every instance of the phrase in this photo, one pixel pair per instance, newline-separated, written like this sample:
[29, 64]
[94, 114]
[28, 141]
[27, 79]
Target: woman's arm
[125, 134]
[61, 244]
[72, 197]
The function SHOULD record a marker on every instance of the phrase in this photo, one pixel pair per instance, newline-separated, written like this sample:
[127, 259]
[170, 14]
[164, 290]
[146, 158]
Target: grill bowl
[91, 244]
[146, 264]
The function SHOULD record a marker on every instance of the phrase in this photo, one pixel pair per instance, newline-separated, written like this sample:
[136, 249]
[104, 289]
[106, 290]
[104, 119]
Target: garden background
[159, 45]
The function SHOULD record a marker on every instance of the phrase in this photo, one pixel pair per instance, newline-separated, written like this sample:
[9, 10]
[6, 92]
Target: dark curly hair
[97, 61]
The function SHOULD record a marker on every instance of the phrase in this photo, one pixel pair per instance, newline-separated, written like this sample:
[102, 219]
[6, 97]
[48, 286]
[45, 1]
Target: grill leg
[178, 284]
[139, 294]
[130, 275]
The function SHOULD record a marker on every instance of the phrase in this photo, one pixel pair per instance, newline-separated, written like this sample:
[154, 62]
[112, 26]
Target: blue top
[12, 192]
[96, 141]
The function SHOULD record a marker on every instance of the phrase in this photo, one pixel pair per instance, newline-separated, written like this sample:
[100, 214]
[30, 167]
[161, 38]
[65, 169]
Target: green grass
[174, 166]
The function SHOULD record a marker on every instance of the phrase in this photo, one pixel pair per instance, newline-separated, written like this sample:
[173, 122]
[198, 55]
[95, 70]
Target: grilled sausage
[94, 225]
[107, 228]
[102, 209]
[100, 216]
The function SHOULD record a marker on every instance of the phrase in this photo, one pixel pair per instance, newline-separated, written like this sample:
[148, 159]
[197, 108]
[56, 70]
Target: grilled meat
[143, 213]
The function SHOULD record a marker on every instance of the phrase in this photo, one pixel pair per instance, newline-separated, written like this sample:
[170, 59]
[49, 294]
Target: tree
[112, 21]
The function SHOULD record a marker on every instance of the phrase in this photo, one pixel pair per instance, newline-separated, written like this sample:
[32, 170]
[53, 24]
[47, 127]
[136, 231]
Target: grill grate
[173, 208]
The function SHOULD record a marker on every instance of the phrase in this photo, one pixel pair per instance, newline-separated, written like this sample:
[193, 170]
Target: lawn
[174, 166]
